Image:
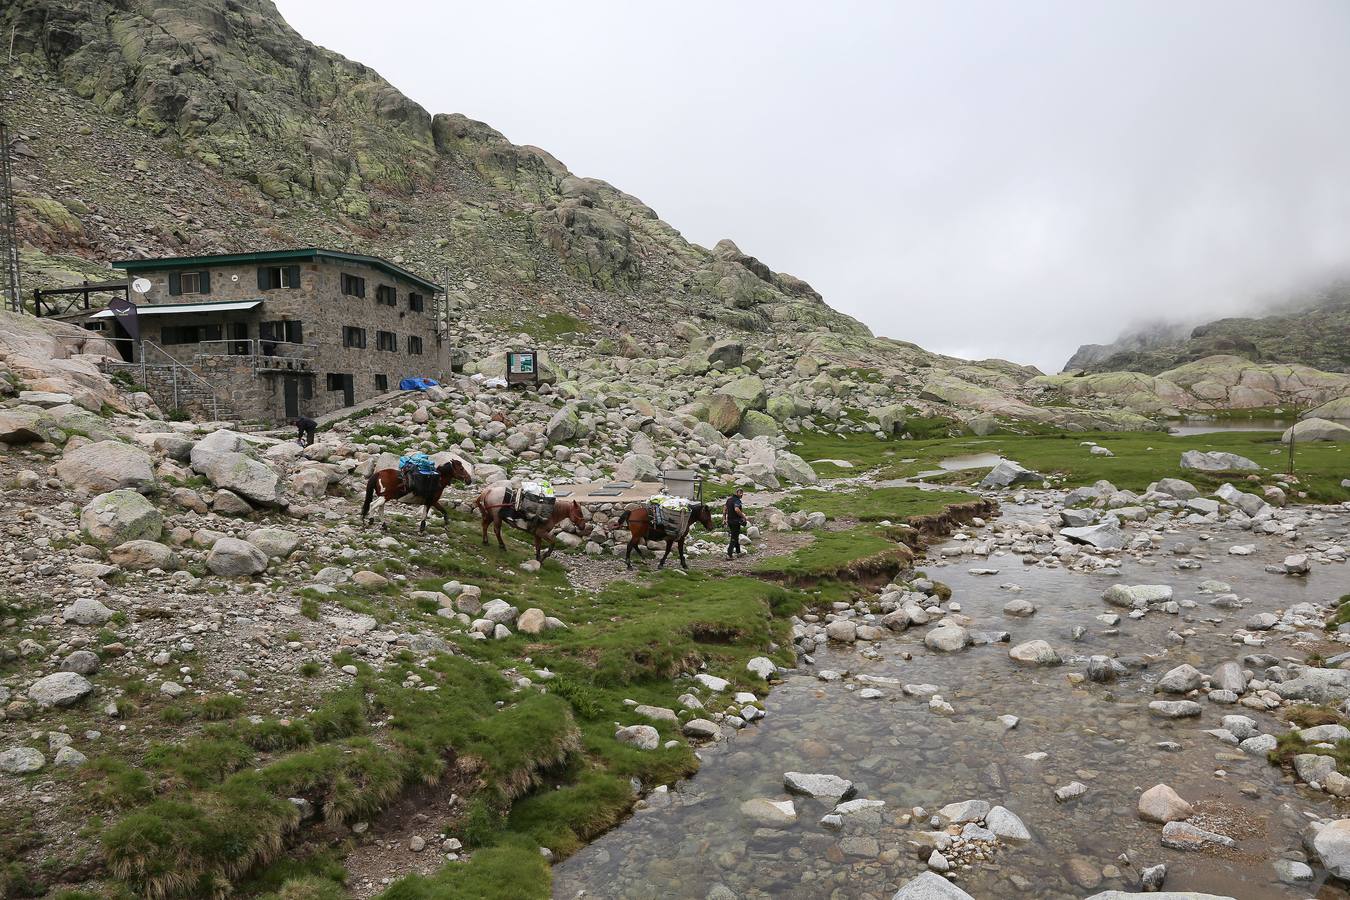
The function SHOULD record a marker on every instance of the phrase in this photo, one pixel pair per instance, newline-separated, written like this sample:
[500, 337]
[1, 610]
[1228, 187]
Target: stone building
[280, 333]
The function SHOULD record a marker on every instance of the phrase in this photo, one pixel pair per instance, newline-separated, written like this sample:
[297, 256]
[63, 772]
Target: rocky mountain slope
[185, 126]
[181, 127]
[148, 127]
[1140, 339]
[1216, 382]
[1314, 332]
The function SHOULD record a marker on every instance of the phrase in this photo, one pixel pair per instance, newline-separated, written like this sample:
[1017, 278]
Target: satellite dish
[141, 285]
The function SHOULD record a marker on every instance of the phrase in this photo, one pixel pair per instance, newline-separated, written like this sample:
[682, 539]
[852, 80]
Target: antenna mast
[9, 231]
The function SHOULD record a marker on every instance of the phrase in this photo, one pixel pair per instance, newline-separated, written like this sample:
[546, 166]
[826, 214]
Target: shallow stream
[895, 749]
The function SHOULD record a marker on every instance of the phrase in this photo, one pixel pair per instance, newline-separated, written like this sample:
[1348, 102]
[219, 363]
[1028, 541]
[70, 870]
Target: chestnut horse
[387, 484]
[492, 504]
[640, 528]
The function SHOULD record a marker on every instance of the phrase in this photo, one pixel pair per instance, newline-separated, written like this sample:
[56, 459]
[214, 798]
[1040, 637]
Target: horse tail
[371, 483]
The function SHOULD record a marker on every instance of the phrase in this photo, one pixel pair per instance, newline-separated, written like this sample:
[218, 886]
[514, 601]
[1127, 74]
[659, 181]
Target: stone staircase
[173, 388]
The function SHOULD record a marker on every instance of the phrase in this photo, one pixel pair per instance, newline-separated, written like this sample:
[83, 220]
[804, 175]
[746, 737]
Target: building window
[289, 331]
[271, 278]
[414, 345]
[336, 381]
[353, 337]
[381, 382]
[307, 388]
[353, 286]
[416, 302]
[189, 334]
[189, 283]
[386, 340]
[387, 295]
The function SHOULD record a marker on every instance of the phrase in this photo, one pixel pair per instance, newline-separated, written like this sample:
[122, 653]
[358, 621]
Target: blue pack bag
[419, 462]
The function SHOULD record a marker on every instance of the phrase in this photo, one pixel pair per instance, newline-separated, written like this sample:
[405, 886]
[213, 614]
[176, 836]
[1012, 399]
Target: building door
[239, 334]
[348, 390]
[126, 347]
[290, 389]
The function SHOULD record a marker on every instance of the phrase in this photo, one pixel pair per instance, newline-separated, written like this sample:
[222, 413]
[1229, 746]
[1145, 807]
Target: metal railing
[176, 367]
[145, 355]
[264, 354]
[74, 299]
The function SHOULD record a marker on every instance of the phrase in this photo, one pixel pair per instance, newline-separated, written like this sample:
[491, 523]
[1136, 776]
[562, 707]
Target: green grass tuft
[1342, 614]
[890, 503]
[838, 554]
[509, 872]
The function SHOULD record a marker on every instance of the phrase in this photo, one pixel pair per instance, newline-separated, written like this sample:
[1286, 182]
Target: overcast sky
[983, 178]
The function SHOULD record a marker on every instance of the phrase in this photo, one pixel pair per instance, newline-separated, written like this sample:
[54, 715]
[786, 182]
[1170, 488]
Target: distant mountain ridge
[1314, 331]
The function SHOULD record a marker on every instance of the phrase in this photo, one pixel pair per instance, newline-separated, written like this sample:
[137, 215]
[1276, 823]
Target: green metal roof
[275, 256]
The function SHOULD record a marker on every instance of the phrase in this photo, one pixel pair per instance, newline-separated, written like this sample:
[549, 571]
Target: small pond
[1212, 426]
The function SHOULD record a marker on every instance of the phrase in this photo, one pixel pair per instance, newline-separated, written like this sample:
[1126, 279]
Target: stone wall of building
[246, 394]
[323, 312]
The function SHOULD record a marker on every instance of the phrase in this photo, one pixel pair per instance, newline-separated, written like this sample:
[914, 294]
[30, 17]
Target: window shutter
[175, 284]
[295, 333]
[293, 275]
[360, 287]
[205, 281]
[264, 278]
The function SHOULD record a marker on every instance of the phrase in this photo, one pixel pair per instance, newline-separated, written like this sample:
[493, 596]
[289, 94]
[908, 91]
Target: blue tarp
[419, 461]
[417, 384]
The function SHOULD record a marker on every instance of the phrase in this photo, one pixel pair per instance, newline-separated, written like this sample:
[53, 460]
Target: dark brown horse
[641, 528]
[388, 484]
[492, 504]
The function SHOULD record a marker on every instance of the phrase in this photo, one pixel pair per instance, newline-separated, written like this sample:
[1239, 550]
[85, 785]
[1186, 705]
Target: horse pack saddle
[525, 506]
[674, 520]
[420, 482]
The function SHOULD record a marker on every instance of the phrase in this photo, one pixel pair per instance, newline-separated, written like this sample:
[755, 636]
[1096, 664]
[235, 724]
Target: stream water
[695, 843]
[1212, 426]
[1203, 426]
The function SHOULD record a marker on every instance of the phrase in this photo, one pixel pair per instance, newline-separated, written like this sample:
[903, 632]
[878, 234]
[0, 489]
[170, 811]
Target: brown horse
[641, 528]
[388, 484]
[492, 504]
